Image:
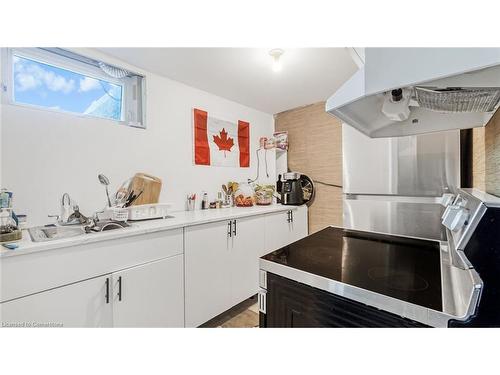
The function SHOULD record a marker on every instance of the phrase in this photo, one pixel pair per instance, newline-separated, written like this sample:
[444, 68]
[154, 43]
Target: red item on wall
[244, 143]
[215, 141]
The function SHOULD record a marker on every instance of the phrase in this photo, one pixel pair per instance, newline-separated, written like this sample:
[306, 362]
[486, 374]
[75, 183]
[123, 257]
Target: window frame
[78, 67]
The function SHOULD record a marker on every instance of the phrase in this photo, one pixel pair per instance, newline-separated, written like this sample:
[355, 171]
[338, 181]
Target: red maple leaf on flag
[224, 142]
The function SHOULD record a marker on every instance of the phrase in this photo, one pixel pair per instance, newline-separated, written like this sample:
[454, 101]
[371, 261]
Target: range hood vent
[409, 91]
[458, 99]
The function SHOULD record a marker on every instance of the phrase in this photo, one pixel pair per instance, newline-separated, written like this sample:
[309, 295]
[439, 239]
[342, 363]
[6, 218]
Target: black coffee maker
[295, 189]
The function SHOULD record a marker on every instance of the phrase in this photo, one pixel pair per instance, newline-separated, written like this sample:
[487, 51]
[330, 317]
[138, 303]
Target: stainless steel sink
[53, 232]
[106, 225]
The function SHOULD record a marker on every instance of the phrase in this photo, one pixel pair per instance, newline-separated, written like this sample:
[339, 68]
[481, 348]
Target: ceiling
[245, 75]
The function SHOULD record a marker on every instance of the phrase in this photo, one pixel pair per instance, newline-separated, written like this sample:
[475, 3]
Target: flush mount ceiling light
[276, 55]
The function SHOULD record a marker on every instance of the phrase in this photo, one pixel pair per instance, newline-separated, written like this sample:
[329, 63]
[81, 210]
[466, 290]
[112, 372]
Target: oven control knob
[455, 218]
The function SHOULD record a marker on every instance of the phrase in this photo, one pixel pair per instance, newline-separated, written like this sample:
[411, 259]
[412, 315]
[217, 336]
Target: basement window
[55, 79]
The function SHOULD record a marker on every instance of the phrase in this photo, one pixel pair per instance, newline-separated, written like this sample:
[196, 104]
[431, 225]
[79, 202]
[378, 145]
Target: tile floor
[244, 315]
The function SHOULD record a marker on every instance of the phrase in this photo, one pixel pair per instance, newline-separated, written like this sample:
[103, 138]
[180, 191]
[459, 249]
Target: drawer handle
[107, 290]
[119, 288]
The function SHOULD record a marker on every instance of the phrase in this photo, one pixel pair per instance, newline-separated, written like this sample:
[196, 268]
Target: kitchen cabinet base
[290, 304]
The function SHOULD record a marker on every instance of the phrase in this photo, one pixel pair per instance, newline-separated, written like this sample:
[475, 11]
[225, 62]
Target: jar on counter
[7, 222]
[244, 195]
[264, 194]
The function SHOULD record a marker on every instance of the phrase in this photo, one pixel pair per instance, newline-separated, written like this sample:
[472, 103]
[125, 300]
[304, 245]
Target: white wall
[45, 154]
[372, 156]
[1, 110]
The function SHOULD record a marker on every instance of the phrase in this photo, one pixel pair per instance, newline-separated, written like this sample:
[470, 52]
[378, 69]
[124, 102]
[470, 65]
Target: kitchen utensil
[121, 198]
[191, 202]
[232, 187]
[135, 198]
[105, 181]
[150, 187]
[132, 198]
[148, 211]
[122, 193]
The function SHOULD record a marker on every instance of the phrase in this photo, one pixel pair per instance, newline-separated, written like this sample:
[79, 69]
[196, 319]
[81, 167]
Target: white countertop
[180, 219]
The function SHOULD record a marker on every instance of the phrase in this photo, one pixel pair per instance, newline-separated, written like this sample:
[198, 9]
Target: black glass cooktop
[403, 268]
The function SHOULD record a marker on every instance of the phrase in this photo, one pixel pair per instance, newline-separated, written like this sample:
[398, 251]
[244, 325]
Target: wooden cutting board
[150, 187]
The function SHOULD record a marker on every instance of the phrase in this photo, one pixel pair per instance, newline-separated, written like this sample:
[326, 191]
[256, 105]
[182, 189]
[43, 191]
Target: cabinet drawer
[277, 232]
[83, 304]
[150, 295]
[31, 273]
[207, 272]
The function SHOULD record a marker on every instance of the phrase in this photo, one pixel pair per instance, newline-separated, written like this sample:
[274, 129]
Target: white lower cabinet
[207, 271]
[283, 228]
[299, 224]
[82, 304]
[146, 281]
[149, 295]
[277, 232]
[221, 266]
[247, 248]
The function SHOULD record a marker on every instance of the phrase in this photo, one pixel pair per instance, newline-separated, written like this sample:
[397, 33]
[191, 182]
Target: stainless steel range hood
[408, 91]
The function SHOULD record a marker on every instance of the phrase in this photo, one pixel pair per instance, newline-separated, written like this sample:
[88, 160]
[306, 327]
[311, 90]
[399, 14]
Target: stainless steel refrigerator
[396, 185]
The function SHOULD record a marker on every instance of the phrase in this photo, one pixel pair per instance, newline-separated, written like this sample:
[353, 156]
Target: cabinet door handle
[119, 288]
[234, 230]
[288, 219]
[107, 290]
[230, 228]
[291, 216]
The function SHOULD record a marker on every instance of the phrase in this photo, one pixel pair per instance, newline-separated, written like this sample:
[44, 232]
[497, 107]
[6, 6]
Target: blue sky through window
[51, 87]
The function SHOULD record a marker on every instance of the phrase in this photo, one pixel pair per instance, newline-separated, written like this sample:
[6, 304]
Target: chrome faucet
[70, 214]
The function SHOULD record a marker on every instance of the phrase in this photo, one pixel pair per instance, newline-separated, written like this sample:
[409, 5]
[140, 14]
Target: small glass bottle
[5, 198]
[204, 202]
[7, 223]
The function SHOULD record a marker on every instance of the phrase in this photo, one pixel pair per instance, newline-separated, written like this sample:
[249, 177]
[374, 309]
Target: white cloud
[55, 82]
[88, 84]
[26, 82]
[29, 76]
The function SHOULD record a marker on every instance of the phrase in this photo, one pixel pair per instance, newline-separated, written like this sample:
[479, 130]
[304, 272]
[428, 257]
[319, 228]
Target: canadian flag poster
[220, 143]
